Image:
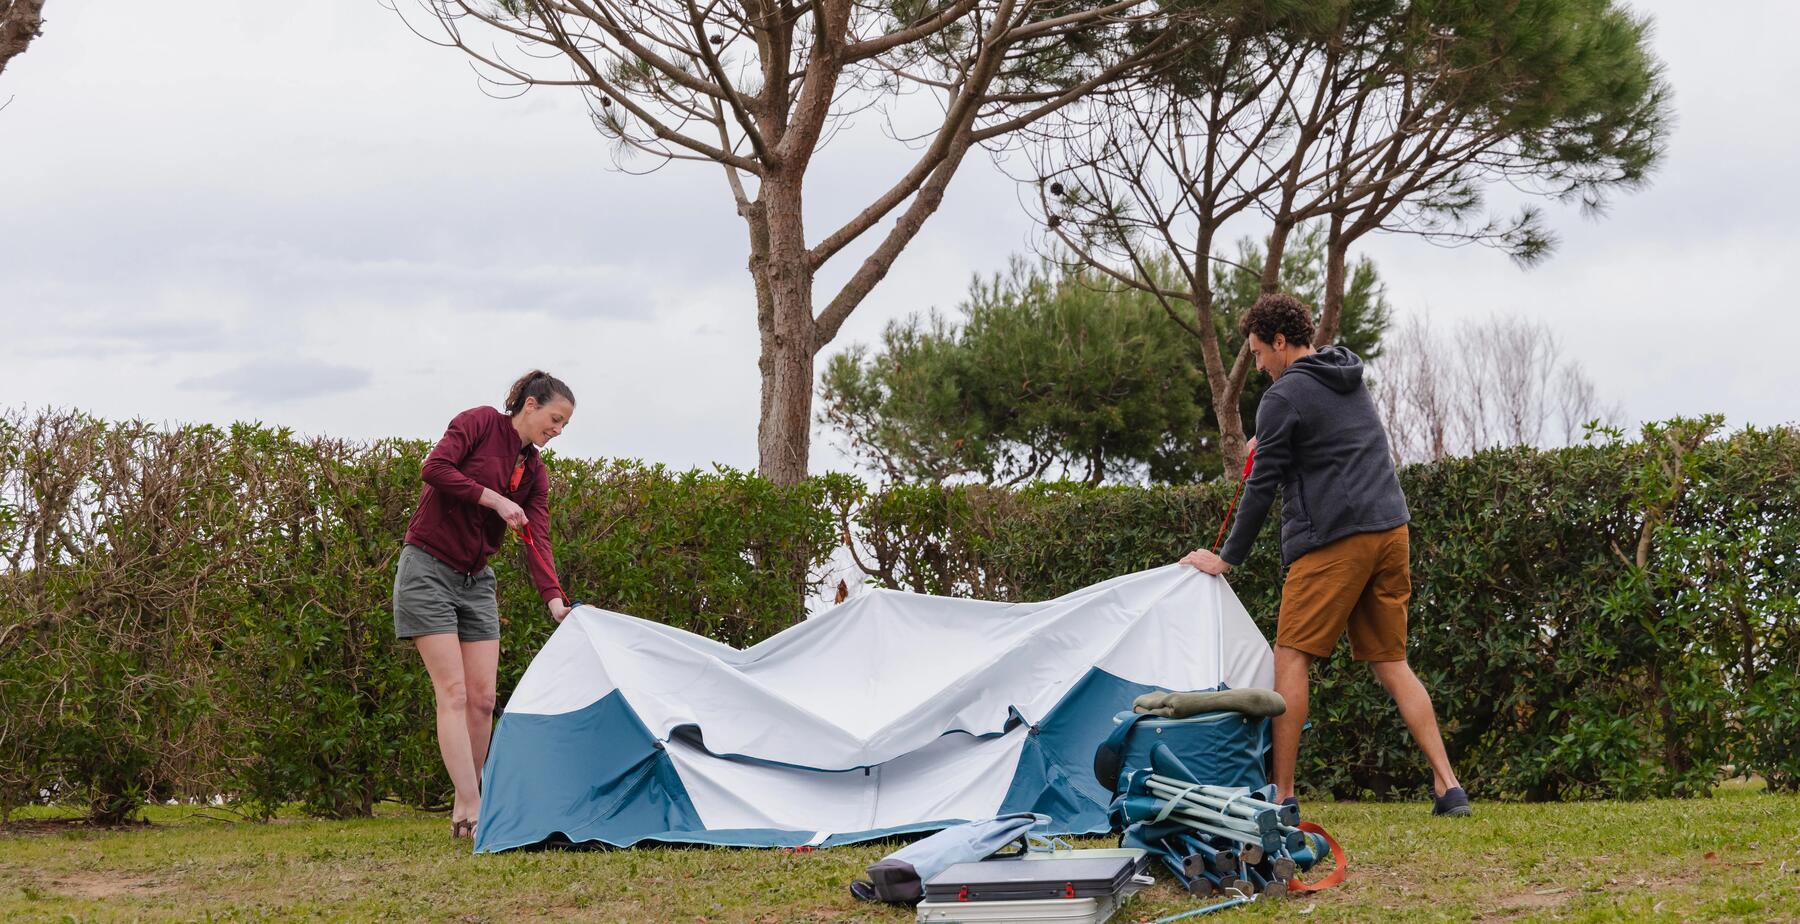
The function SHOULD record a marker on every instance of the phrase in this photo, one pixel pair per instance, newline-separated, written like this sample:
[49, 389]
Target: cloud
[285, 274]
[62, 325]
[280, 380]
[243, 299]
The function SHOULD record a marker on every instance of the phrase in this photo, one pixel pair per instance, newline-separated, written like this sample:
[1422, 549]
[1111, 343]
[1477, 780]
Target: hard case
[1062, 910]
[1014, 880]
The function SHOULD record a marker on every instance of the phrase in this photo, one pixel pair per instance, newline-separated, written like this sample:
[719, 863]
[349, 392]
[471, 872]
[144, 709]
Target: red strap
[1340, 868]
[518, 475]
[539, 558]
[1249, 460]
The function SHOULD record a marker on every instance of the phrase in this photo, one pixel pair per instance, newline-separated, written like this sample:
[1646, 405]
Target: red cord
[539, 557]
[517, 475]
[1249, 460]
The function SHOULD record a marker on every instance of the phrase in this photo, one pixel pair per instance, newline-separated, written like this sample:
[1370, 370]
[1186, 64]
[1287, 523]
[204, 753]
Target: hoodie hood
[1334, 366]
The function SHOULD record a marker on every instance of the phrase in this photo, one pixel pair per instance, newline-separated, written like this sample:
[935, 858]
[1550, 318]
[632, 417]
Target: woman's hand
[558, 611]
[512, 513]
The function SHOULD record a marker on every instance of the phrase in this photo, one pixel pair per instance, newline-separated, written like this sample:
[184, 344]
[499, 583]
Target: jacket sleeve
[542, 563]
[440, 469]
[1275, 420]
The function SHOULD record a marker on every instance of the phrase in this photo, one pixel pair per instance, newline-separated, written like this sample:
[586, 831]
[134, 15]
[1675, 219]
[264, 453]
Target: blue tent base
[760, 838]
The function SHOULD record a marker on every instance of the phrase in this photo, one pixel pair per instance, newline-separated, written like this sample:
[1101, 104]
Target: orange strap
[1340, 869]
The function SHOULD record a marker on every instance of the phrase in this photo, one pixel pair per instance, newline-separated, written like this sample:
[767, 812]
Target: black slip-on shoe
[1454, 803]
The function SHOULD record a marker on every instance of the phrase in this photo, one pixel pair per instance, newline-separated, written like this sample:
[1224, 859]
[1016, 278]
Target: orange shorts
[1361, 583]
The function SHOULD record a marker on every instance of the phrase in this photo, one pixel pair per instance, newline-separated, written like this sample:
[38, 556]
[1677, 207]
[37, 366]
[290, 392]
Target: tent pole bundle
[1214, 839]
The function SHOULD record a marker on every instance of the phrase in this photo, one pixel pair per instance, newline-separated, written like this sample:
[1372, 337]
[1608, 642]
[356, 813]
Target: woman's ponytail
[535, 384]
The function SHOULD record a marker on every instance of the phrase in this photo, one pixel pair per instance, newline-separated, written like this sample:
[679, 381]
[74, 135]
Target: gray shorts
[432, 598]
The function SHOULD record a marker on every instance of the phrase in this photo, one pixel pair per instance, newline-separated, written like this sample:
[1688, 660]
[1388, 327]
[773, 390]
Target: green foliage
[1560, 668]
[1063, 371]
[1562, 97]
[722, 553]
[1362, 322]
[102, 693]
[194, 611]
[1366, 313]
[1051, 370]
[334, 702]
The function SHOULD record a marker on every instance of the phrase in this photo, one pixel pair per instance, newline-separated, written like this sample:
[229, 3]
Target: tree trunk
[784, 319]
[1271, 275]
[1224, 394]
[1331, 313]
[1234, 446]
[1218, 378]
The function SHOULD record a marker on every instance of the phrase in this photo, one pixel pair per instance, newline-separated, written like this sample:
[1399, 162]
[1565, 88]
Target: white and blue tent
[891, 713]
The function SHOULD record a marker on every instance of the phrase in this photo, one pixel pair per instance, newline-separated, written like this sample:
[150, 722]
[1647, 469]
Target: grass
[1732, 857]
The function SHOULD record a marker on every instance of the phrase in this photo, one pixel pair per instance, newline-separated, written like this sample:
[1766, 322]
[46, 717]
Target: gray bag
[900, 876]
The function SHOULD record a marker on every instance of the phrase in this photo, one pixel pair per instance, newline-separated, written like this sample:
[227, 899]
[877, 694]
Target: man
[1343, 533]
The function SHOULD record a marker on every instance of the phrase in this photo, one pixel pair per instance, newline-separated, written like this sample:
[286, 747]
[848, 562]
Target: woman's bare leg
[480, 663]
[444, 661]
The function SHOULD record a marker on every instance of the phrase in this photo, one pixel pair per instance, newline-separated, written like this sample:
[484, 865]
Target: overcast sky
[304, 214]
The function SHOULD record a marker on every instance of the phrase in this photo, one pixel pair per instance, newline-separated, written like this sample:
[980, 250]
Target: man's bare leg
[1292, 675]
[1415, 708]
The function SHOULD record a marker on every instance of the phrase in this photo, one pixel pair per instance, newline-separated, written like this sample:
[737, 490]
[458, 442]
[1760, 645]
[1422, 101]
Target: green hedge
[1561, 665]
[194, 611]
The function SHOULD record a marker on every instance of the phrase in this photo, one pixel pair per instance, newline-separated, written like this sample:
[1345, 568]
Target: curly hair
[1279, 313]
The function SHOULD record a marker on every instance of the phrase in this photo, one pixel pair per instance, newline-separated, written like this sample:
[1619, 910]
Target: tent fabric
[890, 713]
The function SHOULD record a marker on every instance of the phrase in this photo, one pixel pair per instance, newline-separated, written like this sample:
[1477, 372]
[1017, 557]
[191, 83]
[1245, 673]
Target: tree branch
[869, 48]
[20, 22]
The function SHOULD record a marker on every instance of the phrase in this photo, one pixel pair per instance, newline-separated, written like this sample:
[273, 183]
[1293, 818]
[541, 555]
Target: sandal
[461, 829]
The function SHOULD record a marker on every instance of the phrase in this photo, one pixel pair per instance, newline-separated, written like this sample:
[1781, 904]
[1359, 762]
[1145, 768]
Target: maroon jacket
[480, 450]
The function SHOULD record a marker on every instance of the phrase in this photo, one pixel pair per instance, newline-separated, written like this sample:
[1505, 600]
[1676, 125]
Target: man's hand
[558, 611]
[1206, 561]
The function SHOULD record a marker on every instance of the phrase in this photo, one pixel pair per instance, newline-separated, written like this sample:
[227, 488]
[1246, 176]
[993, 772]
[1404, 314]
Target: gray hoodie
[1318, 439]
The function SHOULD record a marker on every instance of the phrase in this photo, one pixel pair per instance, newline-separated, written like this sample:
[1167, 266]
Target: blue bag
[1220, 748]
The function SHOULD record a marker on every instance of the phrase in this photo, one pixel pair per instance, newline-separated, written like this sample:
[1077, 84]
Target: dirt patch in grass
[1665, 877]
[1525, 904]
[103, 886]
[41, 827]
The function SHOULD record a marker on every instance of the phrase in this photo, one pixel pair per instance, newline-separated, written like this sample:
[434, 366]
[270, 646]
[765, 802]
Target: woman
[481, 479]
